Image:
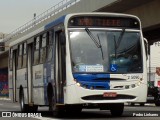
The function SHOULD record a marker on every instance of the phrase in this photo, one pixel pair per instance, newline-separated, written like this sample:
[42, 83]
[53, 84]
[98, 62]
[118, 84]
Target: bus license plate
[109, 94]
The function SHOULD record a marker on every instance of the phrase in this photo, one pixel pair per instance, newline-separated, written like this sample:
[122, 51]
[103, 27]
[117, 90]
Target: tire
[23, 106]
[117, 109]
[52, 104]
[142, 104]
[55, 110]
[157, 101]
[73, 109]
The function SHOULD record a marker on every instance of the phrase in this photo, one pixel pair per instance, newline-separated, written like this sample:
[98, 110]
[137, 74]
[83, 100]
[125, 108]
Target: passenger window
[11, 60]
[43, 48]
[36, 51]
[19, 56]
[24, 55]
[50, 46]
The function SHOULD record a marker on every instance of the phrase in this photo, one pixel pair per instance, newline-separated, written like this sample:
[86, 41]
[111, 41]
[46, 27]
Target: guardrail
[61, 6]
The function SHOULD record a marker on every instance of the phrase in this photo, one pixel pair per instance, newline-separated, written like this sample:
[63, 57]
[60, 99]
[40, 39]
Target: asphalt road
[147, 112]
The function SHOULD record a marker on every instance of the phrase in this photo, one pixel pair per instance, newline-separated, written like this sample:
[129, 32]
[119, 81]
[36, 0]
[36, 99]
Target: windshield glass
[105, 51]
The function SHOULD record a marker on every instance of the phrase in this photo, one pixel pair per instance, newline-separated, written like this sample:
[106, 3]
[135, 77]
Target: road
[130, 112]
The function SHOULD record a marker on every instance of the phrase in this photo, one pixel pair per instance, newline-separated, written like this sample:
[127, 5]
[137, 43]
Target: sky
[15, 13]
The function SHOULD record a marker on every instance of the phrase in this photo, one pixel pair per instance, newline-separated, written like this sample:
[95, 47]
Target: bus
[80, 60]
[154, 74]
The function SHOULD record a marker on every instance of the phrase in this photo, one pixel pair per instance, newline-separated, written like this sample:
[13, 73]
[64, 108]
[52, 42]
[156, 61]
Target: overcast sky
[15, 13]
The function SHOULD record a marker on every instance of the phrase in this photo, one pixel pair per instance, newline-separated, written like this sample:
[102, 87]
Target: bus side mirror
[146, 47]
[62, 38]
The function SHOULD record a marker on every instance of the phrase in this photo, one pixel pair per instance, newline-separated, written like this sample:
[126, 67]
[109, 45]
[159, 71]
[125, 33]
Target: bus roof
[55, 22]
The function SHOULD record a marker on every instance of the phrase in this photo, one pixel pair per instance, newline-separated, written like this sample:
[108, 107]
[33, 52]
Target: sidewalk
[5, 98]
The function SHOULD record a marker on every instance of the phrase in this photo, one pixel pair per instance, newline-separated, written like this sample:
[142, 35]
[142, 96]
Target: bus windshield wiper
[93, 38]
[118, 41]
[101, 46]
[120, 38]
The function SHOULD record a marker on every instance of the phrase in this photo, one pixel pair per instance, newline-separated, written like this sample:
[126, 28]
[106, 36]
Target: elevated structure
[62, 8]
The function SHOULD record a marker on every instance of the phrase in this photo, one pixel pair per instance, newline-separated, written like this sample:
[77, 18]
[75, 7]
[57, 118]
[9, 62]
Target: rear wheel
[117, 109]
[23, 106]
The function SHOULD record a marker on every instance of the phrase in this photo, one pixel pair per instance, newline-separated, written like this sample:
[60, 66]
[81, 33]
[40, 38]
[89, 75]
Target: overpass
[146, 10]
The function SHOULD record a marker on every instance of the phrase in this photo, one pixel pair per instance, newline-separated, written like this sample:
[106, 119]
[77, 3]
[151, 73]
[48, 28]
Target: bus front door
[60, 67]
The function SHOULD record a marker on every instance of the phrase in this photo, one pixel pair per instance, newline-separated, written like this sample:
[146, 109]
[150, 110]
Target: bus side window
[49, 46]
[11, 60]
[43, 42]
[24, 64]
[36, 50]
[19, 56]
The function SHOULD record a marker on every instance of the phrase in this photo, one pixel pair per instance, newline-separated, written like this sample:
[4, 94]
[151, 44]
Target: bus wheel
[23, 106]
[52, 104]
[33, 108]
[70, 109]
[142, 104]
[157, 101]
[117, 109]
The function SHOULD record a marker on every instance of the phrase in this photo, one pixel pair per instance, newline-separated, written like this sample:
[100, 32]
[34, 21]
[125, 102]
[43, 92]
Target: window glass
[19, 57]
[24, 60]
[43, 55]
[50, 46]
[44, 40]
[36, 57]
[20, 50]
[106, 51]
[36, 51]
[24, 55]
[37, 43]
[25, 48]
[10, 59]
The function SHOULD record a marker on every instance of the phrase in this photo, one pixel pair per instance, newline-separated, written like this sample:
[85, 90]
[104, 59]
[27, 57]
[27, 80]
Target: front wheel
[157, 101]
[117, 109]
[71, 109]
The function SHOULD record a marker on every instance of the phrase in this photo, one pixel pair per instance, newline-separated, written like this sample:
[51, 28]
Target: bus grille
[100, 97]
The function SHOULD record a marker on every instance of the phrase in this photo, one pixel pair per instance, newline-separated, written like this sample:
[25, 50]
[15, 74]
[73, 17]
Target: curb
[5, 98]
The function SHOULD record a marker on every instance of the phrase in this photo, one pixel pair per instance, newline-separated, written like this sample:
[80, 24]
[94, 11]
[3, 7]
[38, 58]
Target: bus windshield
[106, 51]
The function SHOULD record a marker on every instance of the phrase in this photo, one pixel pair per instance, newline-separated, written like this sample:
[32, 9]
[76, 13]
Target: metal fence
[61, 6]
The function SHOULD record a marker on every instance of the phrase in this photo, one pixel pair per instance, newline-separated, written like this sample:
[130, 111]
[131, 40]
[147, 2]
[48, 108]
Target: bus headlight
[78, 84]
[138, 84]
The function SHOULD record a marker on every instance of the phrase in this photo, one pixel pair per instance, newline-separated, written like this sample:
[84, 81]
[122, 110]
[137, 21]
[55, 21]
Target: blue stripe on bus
[55, 22]
[93, 81]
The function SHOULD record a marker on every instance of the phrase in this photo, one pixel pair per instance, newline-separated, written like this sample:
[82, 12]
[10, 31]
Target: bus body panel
[21, 82]
[38, 85]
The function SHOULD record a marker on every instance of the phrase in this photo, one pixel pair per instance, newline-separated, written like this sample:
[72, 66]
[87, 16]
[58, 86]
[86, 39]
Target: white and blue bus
[80, 60]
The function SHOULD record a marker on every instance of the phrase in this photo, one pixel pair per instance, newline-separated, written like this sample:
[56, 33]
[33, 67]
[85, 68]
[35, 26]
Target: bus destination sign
[89, 21]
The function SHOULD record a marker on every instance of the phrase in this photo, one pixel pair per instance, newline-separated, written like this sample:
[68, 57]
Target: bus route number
[133, 77]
